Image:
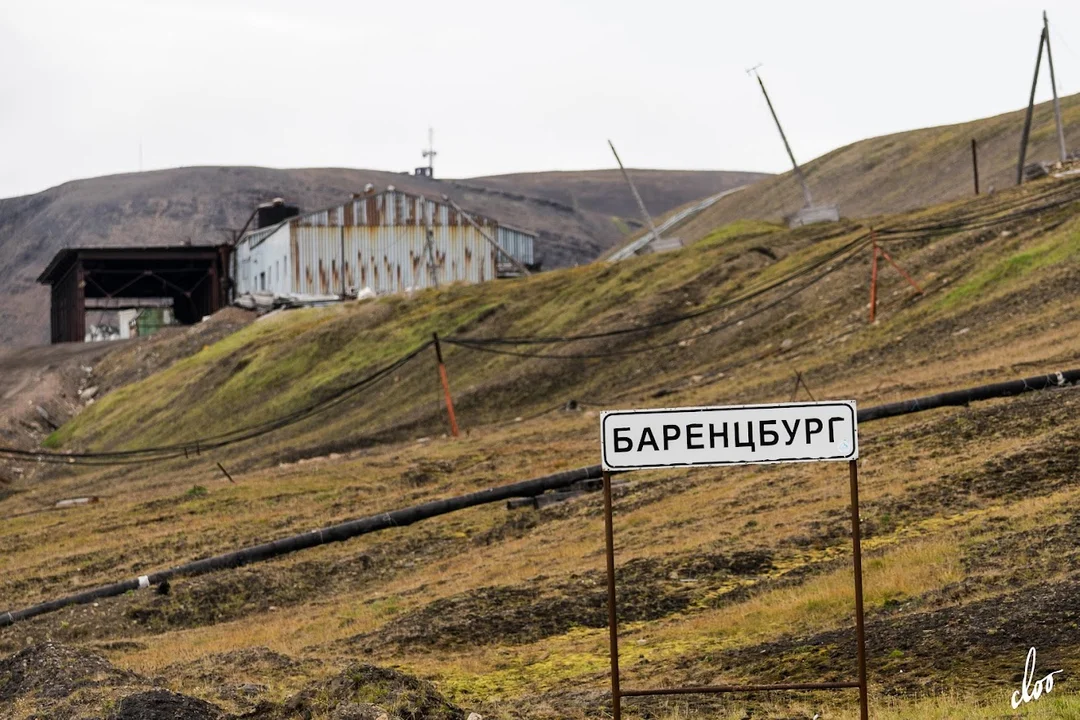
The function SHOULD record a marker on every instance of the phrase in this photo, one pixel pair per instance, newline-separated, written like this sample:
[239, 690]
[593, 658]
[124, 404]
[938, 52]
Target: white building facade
[378, 241]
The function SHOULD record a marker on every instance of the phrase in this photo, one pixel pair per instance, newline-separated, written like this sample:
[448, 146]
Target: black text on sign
[731, 435]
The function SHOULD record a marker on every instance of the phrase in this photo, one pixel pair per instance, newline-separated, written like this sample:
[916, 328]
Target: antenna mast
[430, 153]
[798, 171]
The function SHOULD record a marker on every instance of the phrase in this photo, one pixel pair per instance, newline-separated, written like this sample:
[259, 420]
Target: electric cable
[974, 220]
[746, 297]
[212, 442]
[650, 348]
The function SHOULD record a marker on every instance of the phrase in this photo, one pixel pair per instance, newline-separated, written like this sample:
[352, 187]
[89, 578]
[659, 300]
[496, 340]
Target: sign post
[731, 435]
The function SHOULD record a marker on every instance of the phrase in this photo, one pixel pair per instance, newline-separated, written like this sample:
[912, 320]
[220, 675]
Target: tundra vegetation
[726, 575]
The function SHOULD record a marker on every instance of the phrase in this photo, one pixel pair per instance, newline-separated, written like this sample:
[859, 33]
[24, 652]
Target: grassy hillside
[726, 575]
[200, 204]
[903, 171]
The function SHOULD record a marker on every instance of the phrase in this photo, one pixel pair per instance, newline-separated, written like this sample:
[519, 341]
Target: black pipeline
[525, 488]
[970, 395]
[334, 533]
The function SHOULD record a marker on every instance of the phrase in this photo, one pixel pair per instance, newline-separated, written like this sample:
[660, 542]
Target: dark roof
[60, 263]
[435, 198]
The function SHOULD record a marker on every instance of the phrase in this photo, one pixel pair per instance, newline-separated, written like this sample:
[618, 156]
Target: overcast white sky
[508, 86]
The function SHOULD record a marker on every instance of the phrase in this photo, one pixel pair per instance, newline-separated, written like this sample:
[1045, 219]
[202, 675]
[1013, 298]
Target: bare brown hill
[199, 204]
[903, 171]
[604, 190]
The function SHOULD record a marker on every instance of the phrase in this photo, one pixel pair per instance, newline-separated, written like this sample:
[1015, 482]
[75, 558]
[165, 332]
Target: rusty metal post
[873, 276]
[900, 270]
[445, 386]
[975, 162]
[860, 632]
[613, 621]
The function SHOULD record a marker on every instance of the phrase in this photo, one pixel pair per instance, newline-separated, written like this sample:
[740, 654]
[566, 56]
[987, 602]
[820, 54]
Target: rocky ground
[59, 682]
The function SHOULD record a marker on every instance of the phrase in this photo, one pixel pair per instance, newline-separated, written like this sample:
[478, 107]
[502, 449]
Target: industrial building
[389, 241]
[187, 278]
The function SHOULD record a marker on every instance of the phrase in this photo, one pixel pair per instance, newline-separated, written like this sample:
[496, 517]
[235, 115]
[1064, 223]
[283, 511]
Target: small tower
[429, 171]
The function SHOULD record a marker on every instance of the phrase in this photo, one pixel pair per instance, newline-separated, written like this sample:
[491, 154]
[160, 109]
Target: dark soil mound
[402, 696]
[648, 589]
[918, 651]
[56, 671]
[164, 705]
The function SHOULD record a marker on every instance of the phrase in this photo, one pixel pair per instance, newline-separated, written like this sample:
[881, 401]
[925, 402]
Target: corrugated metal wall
[379, 241]
[386, 259]
[516, 242]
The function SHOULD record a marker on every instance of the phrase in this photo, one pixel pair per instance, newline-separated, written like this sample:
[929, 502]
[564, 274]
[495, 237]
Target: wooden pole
[873, 277]
[430, 244]
[634, 192]
[446, 387]
[1030, 110]
[787, 146]
[1053, 86]
[975, 163]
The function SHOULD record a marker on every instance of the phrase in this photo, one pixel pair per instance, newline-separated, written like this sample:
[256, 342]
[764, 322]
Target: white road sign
[730, 435]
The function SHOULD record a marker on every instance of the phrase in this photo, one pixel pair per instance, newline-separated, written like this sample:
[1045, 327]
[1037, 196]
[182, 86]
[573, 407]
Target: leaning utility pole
[798, 171]
[1030, 110]
[640, 204]
[1053, 87]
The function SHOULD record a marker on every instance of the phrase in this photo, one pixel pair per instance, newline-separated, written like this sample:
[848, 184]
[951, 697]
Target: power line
[212, 442]
[672, 343]
[526, 488]
[851, 249]
[726, 304]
